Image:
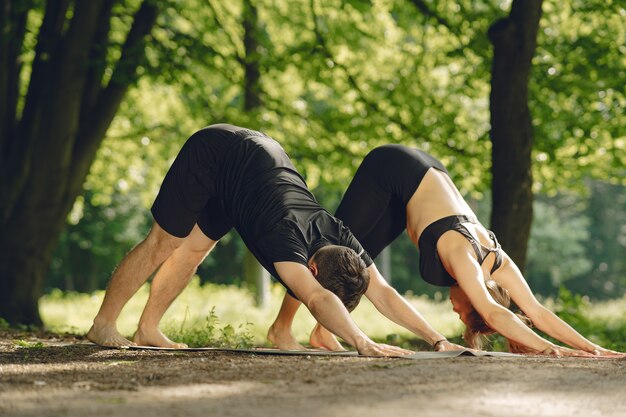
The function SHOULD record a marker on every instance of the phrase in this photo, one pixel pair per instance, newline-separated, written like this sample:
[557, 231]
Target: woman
[398, 188]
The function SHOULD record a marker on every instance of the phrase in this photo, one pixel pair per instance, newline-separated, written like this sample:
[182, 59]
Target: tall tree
[255, 275]
[50, 134]
[514, 40]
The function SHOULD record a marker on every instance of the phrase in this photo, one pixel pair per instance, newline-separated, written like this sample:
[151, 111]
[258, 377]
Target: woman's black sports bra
[431, 267]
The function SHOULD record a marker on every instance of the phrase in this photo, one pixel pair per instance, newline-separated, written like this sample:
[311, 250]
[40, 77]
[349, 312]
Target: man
[227, 176]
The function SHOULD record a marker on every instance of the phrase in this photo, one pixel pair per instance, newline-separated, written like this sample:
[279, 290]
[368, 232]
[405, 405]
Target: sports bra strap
[479, 248]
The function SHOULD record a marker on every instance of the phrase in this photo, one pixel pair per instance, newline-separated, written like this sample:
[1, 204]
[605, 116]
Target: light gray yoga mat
[264, 351]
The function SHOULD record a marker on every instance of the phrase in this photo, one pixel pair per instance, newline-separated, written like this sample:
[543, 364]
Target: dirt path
[83, 380]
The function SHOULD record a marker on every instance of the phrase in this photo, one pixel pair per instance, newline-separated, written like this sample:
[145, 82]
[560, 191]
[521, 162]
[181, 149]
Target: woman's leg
[322, 338]
[279, 333]
[374, 215]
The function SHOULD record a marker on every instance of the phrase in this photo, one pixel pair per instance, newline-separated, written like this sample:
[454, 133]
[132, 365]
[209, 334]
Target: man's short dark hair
[342, 271]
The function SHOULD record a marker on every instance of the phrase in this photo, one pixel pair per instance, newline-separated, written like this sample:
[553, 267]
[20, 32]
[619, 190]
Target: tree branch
[94, 129]
[47, 43]
[218, 22]
[17, 148]
[13, 27]
[252, 73]
[430, 13]
[200, 49]
[279, 108]
[97, 60]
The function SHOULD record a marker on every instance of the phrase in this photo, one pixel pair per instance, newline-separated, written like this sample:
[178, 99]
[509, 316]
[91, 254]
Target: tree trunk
[385, 264]
[67, 111]
[514, 40]
[255, 275]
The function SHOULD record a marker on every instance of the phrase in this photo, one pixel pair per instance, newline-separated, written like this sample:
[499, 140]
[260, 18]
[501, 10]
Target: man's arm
[396, 308]
[329, 311]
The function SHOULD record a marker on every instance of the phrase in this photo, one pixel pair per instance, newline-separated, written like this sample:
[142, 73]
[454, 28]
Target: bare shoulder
[453, 248]
[508, 271]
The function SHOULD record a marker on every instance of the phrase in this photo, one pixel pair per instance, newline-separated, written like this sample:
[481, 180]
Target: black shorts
[188, 194]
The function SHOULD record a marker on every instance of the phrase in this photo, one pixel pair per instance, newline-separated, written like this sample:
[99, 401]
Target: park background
[99, 96]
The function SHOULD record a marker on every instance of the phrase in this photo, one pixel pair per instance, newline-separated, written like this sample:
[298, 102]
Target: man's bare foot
[107, 335]
[323, 339]
[283, 339]
[154, 337]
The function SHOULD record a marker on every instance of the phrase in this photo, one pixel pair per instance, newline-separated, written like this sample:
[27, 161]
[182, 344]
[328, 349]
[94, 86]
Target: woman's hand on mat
[607, 353]
[555, 350]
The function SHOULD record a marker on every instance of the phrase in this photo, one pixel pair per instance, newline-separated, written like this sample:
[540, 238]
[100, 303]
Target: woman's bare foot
[107, 335]
[323, 339]
[283, 339]
[154, 337]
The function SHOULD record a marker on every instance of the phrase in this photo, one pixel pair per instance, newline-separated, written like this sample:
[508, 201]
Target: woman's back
[435, 198]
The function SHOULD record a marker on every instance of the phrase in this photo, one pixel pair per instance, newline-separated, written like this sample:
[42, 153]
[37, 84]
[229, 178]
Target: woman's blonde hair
[477, 329]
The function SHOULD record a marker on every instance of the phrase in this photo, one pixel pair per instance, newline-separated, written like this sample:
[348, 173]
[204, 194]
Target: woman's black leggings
[374, 205]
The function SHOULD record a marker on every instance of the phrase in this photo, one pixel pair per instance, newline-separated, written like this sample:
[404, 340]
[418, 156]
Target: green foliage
[28, 345]
[557, 245]
[207, 332]
[337, 79]
[577, 94]
[576, 311]
[607, 239]
[4, 325]
[579, 241]
[97, 237]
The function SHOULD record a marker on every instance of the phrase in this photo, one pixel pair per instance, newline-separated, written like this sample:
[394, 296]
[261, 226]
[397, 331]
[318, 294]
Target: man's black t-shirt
[272, 208]
[247, 181]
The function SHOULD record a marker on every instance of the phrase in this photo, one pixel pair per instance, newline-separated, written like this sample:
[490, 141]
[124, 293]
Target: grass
[28, 345]
[223, 309]
[221, 315]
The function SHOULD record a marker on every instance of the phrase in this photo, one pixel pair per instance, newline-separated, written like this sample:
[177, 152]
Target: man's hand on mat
[321, 338]
[107, 335]
[154, 337]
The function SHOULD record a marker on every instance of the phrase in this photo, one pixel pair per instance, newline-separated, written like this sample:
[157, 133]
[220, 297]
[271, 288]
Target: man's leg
[173, 276]
[279, 333]
[128, 277]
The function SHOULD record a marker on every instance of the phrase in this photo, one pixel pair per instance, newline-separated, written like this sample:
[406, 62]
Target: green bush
[207, 332]
[576, 311]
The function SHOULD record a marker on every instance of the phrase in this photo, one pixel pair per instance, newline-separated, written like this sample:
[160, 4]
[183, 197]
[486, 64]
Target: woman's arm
[393, 306]
[469, 275]
[511, 278]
